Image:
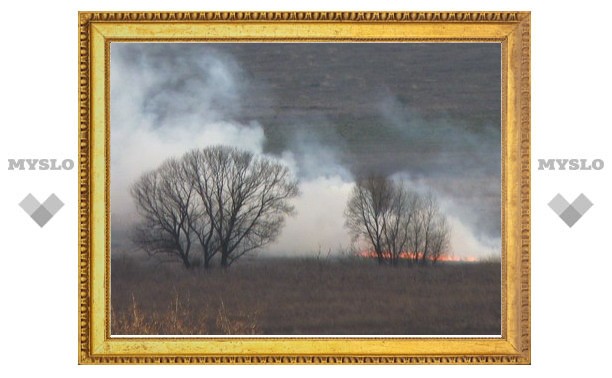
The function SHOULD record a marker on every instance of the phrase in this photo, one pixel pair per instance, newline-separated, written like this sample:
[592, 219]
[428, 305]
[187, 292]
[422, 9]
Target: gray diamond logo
[41, 213]
[570, 213]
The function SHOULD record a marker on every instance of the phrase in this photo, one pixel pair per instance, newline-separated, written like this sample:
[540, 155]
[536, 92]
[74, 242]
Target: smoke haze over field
[428, 113]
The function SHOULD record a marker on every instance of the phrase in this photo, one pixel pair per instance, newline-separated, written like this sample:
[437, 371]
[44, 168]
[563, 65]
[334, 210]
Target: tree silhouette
[397, 221]
[230, 202]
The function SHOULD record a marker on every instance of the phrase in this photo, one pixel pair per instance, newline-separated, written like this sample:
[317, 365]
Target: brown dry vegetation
[306, 297]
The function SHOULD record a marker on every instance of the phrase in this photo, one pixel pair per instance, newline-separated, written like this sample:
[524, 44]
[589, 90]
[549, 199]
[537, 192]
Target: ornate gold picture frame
[97, 30]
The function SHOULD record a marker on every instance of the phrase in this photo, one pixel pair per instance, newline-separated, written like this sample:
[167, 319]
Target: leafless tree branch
[230, 202]
[396, 221]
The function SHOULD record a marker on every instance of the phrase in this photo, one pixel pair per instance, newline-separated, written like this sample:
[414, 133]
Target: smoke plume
[328, 114]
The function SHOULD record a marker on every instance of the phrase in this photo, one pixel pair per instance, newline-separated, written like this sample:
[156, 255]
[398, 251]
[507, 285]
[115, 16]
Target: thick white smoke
[162, 106]
[166, 100]
[150, 122]
[319, 225]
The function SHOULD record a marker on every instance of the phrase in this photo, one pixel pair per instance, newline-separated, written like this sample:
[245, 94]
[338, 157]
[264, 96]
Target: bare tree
[416, 239]
[167, 204]
[229, 202]
[367, 212]
[404, 205]
[428, 232]
[424, 227]
[199, 177]
[246, 197]
[440, 239]
[396, 221]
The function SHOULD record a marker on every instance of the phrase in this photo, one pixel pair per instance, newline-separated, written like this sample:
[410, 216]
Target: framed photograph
[304, 187]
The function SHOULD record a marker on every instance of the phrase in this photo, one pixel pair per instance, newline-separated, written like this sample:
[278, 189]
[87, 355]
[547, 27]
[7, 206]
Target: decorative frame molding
[98, 29]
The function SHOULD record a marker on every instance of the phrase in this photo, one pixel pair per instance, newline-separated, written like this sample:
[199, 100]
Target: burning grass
[306, 297]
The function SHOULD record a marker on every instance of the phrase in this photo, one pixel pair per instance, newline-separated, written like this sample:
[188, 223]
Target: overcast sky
[427, 112]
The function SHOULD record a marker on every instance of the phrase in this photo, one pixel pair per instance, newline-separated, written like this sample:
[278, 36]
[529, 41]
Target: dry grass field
[283, 296]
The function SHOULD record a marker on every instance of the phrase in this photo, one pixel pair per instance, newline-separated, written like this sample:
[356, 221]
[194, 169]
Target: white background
[571, 272]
